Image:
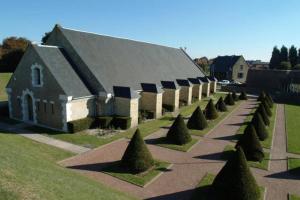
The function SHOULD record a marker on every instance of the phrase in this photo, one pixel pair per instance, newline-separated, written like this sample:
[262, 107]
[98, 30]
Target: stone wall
[197, 91]
[151, 102]
[206, 89]
[185, 94]
[213, 87]
[171, 97]
[128, 107]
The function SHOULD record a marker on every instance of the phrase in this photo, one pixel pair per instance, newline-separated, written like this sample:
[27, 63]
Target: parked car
[236, 82]
[224, 82]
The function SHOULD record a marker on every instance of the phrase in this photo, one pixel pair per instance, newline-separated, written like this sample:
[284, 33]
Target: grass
[204, 191]
[229, 150]
[164, 143]
[147, 128]
[268, 142]
[293, 197]
[292, 113]
[141, 179]
[294, 166]
[4, 78]
[213, 123]
[28, 170]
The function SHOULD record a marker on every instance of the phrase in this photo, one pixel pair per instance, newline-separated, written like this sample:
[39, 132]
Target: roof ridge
[116, 37]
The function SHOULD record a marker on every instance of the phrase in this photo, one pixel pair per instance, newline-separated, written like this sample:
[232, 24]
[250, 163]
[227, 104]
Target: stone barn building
[78, 74]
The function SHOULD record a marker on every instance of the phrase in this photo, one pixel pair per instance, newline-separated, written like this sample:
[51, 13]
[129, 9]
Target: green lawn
[204, 189]
[294, 197]
[292, 114]
[228, 150]
[4, 78]
[293, 163]
[213, 123]
[147, 128]
[268, 142]
[28, 170]
[142, 179]
[186, 147]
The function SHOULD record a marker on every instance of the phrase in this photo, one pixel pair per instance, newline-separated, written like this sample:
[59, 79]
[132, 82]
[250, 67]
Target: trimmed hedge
[210, 111]
[243, 96]
[229, 100]
[99, 122]
[81, 124]
[235, 180]
[197, 120]
[267, 107]
[220, 105]
[234, 96]
[262, 96]
[251, 145]
[270, 100]
[178, 133]
[4, 111]
[259, 126]
[262, 111]
[137, 158]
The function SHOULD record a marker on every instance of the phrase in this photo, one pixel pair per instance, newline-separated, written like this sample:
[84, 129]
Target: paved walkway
[19, 129]
[186, 172]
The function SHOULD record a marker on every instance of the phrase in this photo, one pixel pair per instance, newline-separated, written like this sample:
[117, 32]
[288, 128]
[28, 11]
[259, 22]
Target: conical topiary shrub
[251, 145]
[258, 123]
[137, 158]
[229, 100]
[210, 111]
[178, 133]
[262, 96]
[197, 120]
[270, 100]
[267, 107]
[234, 96]
[262, 112]
[220, 105]
[235, 181]
[243, 96]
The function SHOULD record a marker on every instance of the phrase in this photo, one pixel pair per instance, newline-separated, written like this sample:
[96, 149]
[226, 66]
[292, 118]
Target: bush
[296, 67]
[243, 96]
[285, 65]
[262, 112]
[234, 96]
[197, 120]
[103, 122]
[262, 96]
[4, 111]
[137, 158]
[267, 107]
[178, 133]
[220, 105]
[210, 111]
[121, 122]
[168, 108]
[259, 126]
[235, 181]
[251, 145]
[229, 100]
[81, 124]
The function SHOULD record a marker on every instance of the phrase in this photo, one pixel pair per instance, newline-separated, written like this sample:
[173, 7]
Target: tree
[197, 120]
[137, 158]
[234, 96]
[262, 96]
[235, 181]
[251, 145]
[229, 100]
[275, 59]
[259, 125]
[12, 50]
[293, 56]
[45, 37]
[262, 112]
[284, 54]
[243, 96]
[298, 60]
[284, 65]
[210, 110]
[220, 105]
[178, 133]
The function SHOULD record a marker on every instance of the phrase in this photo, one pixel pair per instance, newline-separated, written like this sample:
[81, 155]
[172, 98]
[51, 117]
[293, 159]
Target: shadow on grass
[161, 140]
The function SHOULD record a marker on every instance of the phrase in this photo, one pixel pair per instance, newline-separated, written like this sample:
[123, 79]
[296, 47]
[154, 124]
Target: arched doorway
[28, 108]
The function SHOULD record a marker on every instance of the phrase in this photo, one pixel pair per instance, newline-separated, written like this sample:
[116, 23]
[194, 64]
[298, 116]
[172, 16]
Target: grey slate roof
[123, 62]
[62, 71]
[224, 63]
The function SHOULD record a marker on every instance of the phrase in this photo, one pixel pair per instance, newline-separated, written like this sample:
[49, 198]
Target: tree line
[285, 59]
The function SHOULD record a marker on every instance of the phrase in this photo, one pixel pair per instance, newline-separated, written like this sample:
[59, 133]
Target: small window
[52, 108]
[45, 107]
[36, 75]
[240, 75]
[38, 106]
[241, 67]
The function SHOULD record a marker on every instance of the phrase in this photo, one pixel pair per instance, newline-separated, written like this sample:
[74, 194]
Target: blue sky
[207, 28]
